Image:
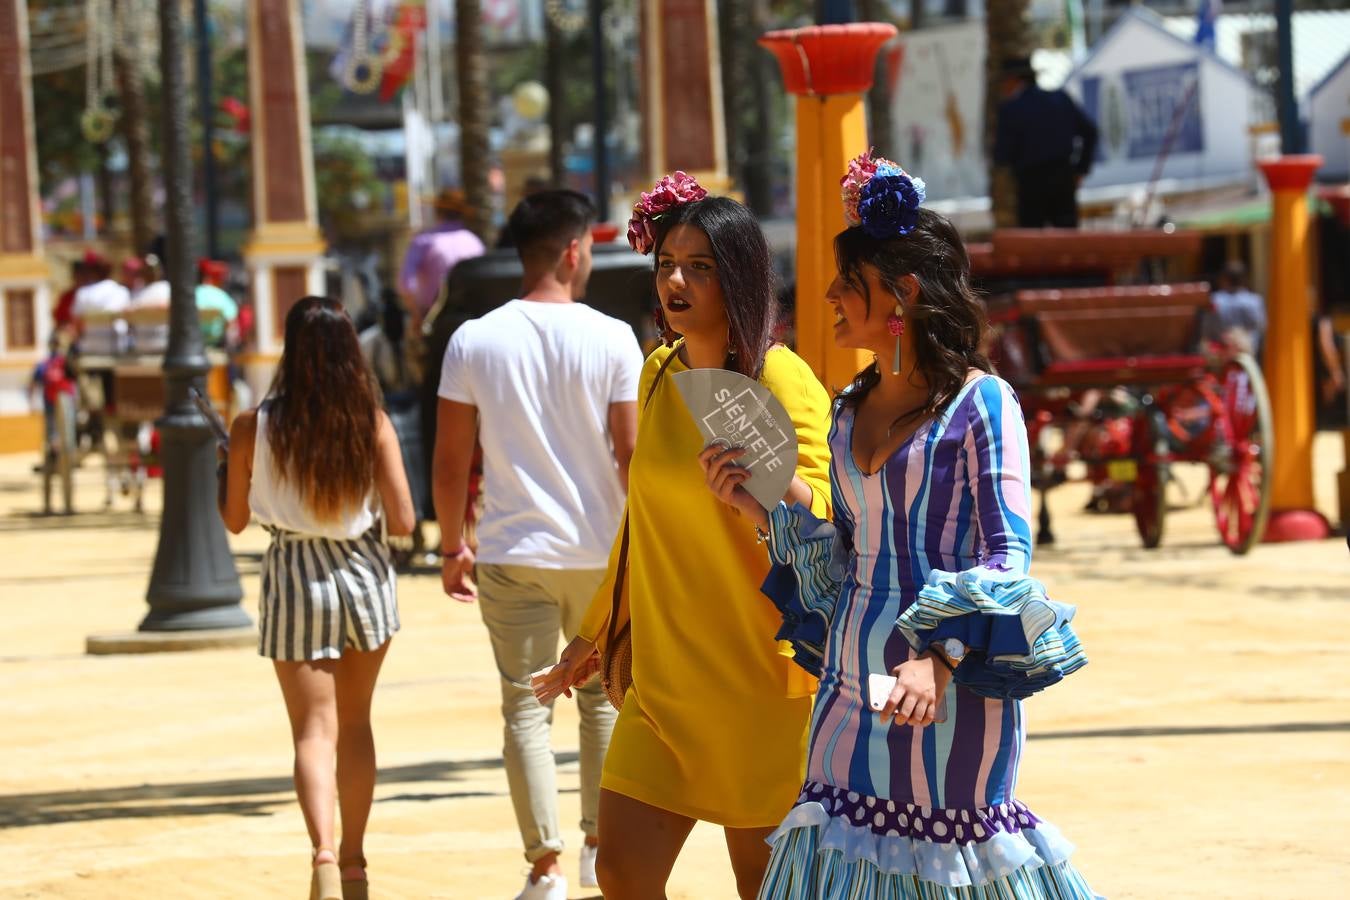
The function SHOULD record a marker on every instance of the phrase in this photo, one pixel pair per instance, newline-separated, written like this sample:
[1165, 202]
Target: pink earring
[896, 326]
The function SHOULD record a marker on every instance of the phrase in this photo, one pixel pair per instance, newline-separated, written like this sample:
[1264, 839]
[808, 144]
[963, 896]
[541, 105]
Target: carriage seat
[1138, 331]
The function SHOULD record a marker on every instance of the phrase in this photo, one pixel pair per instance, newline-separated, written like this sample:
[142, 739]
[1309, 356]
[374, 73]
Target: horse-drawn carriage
[1112, 361]
[118, 394]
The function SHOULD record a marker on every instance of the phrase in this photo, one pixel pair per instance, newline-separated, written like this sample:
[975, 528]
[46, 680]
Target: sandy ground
[1204, 753]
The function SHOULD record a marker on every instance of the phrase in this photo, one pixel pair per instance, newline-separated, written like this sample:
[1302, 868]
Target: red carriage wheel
[1239, 476]
[1150, 482]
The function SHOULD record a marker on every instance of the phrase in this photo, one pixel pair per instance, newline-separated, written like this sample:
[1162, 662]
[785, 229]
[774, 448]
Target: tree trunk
[131, 96]
[1007, 35]
[761, 71]
[879, 96]
[732, 35]
[553, 81]
[471, 72]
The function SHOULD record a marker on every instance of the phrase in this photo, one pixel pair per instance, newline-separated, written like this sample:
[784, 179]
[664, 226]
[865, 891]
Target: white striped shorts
[321, 596]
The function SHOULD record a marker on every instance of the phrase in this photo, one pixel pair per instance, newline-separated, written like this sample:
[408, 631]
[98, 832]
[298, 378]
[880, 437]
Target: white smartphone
[879, 687]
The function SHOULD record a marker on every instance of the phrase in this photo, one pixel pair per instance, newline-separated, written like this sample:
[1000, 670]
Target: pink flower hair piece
[860, 171]
[671, 191]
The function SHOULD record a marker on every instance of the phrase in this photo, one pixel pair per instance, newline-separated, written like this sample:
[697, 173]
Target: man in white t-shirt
[549, 386]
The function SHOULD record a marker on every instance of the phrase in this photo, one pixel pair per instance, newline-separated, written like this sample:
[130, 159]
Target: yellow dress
[715, 724]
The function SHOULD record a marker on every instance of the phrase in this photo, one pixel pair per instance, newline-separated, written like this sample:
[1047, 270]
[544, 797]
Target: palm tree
[471, 74]
[135, 132]
[879, 97]
[1007, 36]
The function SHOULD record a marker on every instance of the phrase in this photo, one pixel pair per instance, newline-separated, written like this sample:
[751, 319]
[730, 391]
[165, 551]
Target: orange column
[828, 68]
[1288, 365]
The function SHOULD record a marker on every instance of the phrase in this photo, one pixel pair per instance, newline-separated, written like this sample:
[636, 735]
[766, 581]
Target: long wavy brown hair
[321, 417]
[947, 318]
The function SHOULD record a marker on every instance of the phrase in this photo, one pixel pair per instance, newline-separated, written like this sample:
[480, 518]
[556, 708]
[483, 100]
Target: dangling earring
[663, 329]
[731, 347]
[896, 326]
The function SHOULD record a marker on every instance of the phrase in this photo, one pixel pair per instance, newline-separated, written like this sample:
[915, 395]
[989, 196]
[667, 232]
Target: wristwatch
[953, 649]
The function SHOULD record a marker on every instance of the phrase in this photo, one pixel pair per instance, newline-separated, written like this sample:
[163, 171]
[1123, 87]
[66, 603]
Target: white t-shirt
[543, 376]
[102, 296]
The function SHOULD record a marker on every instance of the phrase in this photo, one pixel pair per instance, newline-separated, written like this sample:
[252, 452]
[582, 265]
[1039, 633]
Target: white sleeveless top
[277, 503]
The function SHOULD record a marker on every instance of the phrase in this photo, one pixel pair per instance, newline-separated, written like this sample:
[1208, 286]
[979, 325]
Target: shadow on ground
[230, 797]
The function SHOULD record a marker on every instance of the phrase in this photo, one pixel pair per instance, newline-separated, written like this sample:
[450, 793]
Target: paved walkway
[1204, 753]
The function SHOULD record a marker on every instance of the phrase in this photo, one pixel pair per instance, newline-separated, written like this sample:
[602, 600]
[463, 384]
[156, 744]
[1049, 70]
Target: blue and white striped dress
[892, 811]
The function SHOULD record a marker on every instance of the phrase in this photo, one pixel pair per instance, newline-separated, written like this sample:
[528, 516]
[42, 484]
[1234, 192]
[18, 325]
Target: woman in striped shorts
[318, 465]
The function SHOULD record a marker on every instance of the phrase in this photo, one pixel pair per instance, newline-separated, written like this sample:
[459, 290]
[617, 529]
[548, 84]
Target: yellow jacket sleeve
[808, 405]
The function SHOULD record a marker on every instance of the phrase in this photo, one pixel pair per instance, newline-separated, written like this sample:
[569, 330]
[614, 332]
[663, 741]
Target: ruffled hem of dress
[1000, 855]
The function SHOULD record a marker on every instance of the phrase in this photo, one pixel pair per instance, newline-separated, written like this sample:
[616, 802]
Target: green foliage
[62, 150]
[346, 185]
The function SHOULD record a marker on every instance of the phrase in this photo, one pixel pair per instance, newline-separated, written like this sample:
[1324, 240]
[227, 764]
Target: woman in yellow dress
[714, 725]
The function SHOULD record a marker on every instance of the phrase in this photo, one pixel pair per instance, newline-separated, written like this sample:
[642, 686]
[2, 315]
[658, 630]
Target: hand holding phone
[879, 687]
[212, 417]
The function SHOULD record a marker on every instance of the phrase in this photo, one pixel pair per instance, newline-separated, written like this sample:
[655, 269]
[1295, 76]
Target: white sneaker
[588, 879]
[548, 887]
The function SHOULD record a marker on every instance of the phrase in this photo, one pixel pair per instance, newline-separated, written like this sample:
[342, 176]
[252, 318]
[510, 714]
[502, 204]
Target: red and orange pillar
[828, 68]
[1288, 366]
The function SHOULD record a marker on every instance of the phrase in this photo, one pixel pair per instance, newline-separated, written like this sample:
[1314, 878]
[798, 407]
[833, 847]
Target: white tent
[1159, 98]
[1328, 110]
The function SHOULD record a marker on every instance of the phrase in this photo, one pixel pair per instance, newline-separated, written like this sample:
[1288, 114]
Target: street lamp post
[601, 102]
[194, 585]
[201, 20]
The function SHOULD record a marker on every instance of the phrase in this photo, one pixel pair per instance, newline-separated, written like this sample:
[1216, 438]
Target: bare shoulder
[245, 424]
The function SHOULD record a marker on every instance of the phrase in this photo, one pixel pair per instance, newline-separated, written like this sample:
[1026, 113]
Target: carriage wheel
[1239, 480]
[1150, 483]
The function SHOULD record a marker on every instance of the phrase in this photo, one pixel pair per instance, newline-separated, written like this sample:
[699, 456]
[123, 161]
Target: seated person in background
[97, 305]
[64, 312]
[211, 275]
[134, 274]
[1237, 316]
[155, 289]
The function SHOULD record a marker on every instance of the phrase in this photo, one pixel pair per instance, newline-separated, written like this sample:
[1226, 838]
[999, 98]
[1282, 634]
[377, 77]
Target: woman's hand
[727, 481]
[919, 688]
[579, 663]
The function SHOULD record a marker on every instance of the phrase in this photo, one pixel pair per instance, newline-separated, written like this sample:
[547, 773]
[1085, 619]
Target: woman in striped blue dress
[319, 466]
[910, 790]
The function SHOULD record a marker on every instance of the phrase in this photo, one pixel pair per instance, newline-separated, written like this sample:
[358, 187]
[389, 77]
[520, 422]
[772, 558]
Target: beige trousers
[526, 611]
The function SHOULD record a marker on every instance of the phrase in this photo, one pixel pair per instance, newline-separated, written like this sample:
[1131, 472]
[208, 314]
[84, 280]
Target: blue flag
[1206, 15]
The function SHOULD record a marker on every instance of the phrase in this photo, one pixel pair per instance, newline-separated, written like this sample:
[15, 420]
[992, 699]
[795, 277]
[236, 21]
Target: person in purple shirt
[434, 252]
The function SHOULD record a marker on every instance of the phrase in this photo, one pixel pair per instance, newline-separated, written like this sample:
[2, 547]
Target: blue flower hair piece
[889, 205]
[881, 197]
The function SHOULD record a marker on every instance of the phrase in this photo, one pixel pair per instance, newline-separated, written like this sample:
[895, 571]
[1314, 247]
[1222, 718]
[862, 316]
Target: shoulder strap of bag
[622, 569]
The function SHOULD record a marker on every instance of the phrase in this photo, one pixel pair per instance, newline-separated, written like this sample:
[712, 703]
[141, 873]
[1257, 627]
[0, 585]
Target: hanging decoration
[363, 70]
[98, 119]
[568, 16]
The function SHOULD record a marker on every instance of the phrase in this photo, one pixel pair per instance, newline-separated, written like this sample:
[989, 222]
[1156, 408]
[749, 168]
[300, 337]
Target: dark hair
[393, 318]
[544, 223]
[945, 318]
[323, 410]
[744, 270]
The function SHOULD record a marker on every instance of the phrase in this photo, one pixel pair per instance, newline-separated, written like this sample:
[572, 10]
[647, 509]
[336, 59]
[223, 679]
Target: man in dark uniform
[1048, 142]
